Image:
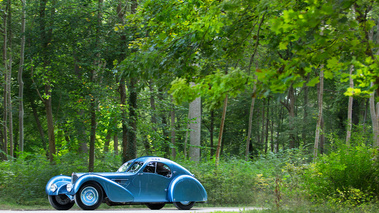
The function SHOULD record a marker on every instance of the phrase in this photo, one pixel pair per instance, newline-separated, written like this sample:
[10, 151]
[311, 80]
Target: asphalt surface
[141, 210]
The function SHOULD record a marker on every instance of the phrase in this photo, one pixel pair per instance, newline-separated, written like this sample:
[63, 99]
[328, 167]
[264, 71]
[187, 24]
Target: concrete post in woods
[195, 126]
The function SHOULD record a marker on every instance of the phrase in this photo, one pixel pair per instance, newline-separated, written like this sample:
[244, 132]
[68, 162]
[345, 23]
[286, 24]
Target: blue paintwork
[60, 181]
[137, 186]
[186, 188]
[114, 191]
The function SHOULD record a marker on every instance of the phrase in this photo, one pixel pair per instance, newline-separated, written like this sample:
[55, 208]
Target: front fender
[114, 191]
[60, 181]
[186, 188]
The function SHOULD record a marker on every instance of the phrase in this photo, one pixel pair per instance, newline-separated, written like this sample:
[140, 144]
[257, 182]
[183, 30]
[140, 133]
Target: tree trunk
[350, 109]
[115, 144]
[195, 126]
[6, 81]
[20, 80]
[126, 144]
[279, 129]
[132, 133]
[319, 119]
[211, 133]
[91, 160]
[93, 103]
[50, 122]
[173, 149]
[153, 115]
[263, 124]
[122, 90]
[322, 137]
[187, 133]
[221, 130]
[5, 119]
[290, 106]
[267, 122]
[305, 115]
[46, 38]
[107, 140]
[248, 139]
[9, 69]
[291, 111]
[374, 111]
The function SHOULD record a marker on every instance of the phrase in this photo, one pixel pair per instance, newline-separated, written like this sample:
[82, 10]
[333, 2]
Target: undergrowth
[347, 178]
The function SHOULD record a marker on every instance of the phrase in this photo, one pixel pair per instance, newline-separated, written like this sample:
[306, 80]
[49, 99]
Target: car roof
[169, 162]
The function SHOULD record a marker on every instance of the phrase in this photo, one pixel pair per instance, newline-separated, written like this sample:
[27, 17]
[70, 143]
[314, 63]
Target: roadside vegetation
[345, 179]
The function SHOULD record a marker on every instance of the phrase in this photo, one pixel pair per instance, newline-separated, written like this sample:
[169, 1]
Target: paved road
[168, 210]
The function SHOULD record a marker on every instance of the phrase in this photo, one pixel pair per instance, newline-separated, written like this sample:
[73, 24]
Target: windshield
[133, 169]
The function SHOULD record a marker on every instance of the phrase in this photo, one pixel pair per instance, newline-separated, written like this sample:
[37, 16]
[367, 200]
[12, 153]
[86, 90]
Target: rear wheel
[155, 206]
[60, 202]
[89, 196]
[185, 205]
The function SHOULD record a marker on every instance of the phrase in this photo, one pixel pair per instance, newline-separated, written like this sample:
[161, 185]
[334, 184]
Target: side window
[163, 169]
[150, 168]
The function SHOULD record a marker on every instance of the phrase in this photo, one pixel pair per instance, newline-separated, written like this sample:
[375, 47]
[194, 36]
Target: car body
[152, 181]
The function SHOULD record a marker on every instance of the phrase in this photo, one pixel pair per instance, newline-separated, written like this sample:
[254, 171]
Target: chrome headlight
[69, 187]
[53, 187]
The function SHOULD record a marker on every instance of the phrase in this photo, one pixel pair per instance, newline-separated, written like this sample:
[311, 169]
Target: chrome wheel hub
[89, 196]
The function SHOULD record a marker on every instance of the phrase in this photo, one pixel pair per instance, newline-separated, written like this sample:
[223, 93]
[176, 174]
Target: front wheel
[184, 205]
[60, 202]
[89, 196]
[155, 206]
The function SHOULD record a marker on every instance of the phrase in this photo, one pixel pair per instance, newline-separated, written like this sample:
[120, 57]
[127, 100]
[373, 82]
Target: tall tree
[93, 103]
[250, 122]
[320, 95]
[173, 133]
[46, 36]
[218, 151]
[9, 69]
[195, 126]
[20, 80]
[350, 108]
[132, 89]
[290, 106]
[7, 78]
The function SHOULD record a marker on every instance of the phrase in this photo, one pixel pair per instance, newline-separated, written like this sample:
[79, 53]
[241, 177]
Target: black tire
[184, 205]
[60, 202]
[89, 196]
[155, 206]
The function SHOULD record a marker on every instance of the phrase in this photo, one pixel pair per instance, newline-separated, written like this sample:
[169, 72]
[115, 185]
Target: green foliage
[214, 86]
[346, 176]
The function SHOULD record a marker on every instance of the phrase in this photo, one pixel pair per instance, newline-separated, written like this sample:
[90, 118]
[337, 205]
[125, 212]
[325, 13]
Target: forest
[270, 103]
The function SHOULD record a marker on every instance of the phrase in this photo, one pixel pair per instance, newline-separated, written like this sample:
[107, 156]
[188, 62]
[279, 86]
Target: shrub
[347, 175]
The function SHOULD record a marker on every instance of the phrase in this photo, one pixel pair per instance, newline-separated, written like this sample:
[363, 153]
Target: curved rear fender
[186, 188]
[114, 191]
[60, 181]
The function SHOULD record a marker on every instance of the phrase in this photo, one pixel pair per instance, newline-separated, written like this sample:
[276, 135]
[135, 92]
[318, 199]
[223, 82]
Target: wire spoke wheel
[60, 202]
[184, 205]
[89, 196]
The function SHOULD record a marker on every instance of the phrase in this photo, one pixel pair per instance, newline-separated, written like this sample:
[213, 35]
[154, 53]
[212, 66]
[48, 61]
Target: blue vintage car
[152, 181]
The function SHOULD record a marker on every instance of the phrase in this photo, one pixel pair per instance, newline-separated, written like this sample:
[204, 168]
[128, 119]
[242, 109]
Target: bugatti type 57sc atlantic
[152, 181]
